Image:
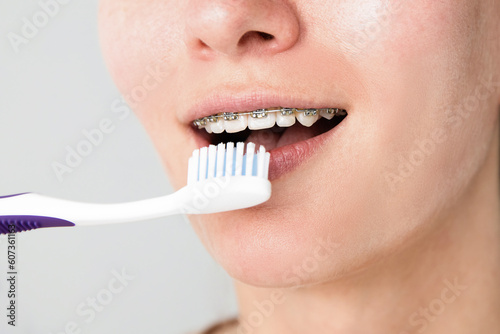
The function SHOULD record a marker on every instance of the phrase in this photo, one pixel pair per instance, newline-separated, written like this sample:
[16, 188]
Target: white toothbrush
[220, 179]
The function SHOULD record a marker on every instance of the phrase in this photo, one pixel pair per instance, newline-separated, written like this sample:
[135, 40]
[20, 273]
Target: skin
[407, 195]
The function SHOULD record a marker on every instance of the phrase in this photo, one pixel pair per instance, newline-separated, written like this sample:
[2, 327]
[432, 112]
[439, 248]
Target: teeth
[261, 119]
[308, 117]
[264, 119]
[285, 117]
[327, 113]
[215, 125]
[230, 116]
[235, 123]
[200, 123]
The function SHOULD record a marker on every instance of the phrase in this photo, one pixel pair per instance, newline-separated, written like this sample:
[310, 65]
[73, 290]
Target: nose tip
[236, 27]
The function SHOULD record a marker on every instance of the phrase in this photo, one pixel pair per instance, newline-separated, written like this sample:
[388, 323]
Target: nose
[236, 27]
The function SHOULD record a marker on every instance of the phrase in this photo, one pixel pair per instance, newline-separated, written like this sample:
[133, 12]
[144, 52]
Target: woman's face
[419, 80]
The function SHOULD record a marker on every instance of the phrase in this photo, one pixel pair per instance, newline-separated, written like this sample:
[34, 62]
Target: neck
[445, 283]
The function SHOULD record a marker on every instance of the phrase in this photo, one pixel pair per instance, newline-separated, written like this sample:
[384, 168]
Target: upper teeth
[264, 119]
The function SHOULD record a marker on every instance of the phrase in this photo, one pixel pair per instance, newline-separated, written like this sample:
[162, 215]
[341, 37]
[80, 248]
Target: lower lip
[287, 158]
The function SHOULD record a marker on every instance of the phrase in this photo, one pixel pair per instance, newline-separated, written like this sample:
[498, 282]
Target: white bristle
[192, 172]
[203, 163]
[216, 161]
[261, 161]
[221, 152]
[266, 164]
[240, 147]
[193, 167]
[249, 159]
[229, 158]
[212, 155]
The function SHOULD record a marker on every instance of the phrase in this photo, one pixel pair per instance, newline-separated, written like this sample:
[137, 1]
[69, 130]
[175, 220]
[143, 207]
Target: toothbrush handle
[15, 224]
[24, 212]
[28, 211]
[20, 223]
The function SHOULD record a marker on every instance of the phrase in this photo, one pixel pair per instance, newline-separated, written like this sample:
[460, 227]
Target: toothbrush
[220, 178]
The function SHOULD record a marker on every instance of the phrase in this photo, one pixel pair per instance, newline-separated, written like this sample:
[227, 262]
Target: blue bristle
[198, 172]
[255, 165]
[206, 167]
[233, 171]
[224, 169]
[215, 169]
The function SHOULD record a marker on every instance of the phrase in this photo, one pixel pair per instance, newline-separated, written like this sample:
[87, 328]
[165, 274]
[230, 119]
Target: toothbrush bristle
[193, 167]
[238, 167]
[261, 162]
[249, 159]
[226, 160]
[212, 161]
[229, 158]
[221, 153]
[203, 163]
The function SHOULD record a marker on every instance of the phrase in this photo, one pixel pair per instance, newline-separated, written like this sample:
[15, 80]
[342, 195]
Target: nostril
[265, 36]
[201, 44]
[251, 36]
[234, 28]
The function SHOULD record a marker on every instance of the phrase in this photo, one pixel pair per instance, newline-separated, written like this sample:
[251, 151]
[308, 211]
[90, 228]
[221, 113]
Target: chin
[277, 245]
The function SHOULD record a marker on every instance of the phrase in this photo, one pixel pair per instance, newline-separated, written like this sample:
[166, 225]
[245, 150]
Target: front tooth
[215, 126]
[327, 113]
[236, 125]
[307, 117]
[285, 117]
[261, 119]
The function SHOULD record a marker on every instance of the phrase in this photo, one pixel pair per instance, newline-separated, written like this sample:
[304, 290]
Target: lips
[290, 145]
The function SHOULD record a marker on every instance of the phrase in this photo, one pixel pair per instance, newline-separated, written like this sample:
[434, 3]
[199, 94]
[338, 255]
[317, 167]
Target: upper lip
[226, 101]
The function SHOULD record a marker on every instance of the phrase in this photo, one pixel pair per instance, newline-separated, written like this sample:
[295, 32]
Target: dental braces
[262, 113]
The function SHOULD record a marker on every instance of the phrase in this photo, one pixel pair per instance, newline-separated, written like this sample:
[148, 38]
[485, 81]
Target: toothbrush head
[220, 178]
[227, 160]
[229, 177]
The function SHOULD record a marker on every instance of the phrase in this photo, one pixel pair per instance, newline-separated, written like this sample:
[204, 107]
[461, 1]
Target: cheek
[425, 111]
[169, 139]
[412, 28]
[136, 36]
[142, 51]
[430, 102]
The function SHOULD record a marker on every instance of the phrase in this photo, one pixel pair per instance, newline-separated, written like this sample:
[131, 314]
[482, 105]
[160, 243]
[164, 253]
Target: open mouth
[272, 127]
[291, 135]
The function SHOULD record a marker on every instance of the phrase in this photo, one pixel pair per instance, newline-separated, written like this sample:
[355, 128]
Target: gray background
[54, 88]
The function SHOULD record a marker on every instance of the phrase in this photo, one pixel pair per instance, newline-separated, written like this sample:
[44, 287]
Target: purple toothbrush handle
[14, 224]
[13, 195]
